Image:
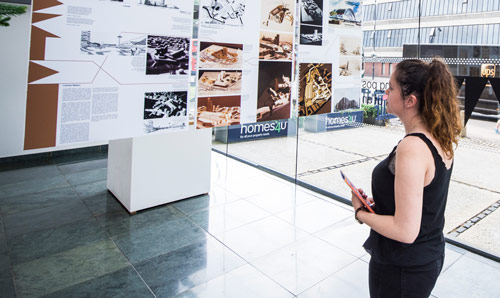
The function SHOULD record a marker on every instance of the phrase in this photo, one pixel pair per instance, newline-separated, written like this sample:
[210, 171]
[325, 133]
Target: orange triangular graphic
[37, 72]
[42, 4]
[38, 39]
[38, 17]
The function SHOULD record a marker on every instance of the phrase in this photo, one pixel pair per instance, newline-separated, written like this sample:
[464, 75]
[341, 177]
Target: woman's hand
[355, 200]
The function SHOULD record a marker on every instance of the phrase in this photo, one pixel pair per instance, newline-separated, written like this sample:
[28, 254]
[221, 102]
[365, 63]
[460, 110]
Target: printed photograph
[345, 13]
[167, 55]
[311, 12]
[105, 43]
[277, 15]
[176, 6]
[311, 35]
[275, 46]
[219, 82]
[165, 104]
[346, 99]
[274, 89]
[154, 125]
[349, 66]
[218, 111]
[315, 88]
[220, 55]
[350, 46]
[222, 12]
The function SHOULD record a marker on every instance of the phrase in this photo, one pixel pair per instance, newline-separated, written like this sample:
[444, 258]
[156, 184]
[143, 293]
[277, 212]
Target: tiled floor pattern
[253, 235]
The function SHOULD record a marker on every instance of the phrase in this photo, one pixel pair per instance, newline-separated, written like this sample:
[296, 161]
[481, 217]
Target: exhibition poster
[245, 62]
[329, 56]
[105, 69]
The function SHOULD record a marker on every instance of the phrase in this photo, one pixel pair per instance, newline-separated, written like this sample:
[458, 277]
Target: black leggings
[390, 281]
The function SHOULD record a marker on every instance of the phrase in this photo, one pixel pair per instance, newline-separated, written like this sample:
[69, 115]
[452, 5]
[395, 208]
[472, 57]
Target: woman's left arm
[413, 160]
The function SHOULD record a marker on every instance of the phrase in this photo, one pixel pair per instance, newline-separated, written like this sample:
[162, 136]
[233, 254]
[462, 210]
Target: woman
[410, 186]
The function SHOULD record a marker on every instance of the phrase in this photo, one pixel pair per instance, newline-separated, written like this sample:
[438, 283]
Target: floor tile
[65, 269]
[261, 237]
[229, 216]
[276, 201]
[104, 203]
[216, 197]
[350, 282]
[468, 277]
[184, 268]
[121, 222]
[347, 235]
[22, 175]
[87, 176]
[303, 264]
[37, 200]
[122, 283]
[4, 261]
[243, 282]
[91, 189]
[83, 166]
[315, 215]
[79, 157]
[143, 244]
[7, 284]
[25, 164]
[43, 218]
[32, 186]
[34, 245]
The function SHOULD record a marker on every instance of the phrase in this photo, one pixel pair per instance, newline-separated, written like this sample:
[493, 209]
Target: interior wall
[14, 54]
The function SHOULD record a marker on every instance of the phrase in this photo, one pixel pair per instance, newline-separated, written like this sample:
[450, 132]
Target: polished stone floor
[254, 235]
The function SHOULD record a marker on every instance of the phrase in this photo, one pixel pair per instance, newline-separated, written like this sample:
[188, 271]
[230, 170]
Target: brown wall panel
[41, 116]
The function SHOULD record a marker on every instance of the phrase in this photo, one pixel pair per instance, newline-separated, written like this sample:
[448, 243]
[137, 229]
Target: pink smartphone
[356, 192]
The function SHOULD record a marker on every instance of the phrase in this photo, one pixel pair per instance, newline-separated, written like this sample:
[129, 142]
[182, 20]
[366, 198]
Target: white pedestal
[148, 171]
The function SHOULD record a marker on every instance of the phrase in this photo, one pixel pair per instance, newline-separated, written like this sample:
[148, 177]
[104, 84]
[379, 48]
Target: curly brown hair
[436, 91]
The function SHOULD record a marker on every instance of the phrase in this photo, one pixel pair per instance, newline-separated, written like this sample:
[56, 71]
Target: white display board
[245, 63]
[103, 69]
[329, 56]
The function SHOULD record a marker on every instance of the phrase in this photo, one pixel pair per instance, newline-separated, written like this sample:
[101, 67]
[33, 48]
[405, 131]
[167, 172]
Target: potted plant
[369, 113]
[7, 11]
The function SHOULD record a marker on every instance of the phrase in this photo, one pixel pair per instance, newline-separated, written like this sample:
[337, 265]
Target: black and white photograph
[218, 111]
[350, 67]
[344, 13]
[220, 55]
[311, 12]
[315, 88]
[165, 104]
[119, 44]
[222, 12]
[159, 3]
[275, 46]
[274, 90]
[167, 55]
[350, 46]
[346, 98]
[219, 82]
[151, 126]
[311, 35]
[278, 15]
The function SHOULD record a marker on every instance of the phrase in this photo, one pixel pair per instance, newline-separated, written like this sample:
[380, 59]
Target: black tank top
[429, 244]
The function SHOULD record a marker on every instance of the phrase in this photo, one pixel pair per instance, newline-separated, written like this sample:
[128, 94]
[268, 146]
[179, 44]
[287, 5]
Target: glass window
[459, 34]
[496, 39]
[455, 6]
[475, 35]
[439, 10]
[468, 7]
[490, 35]
[448, 5]
[484, 36]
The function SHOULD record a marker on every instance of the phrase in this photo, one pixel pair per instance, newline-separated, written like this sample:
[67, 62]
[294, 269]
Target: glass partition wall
[309, 152]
